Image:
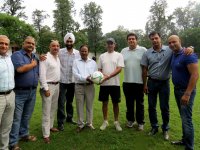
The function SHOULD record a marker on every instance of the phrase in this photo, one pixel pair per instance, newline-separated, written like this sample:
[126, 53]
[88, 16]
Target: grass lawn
[110, 139]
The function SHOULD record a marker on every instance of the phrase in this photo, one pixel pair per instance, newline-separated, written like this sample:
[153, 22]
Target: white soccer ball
[97, 77]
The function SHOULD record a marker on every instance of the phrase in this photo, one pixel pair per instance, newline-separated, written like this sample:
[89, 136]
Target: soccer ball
[97, 77]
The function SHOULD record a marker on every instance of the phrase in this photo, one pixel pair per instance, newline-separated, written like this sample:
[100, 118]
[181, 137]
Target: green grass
[110, 139]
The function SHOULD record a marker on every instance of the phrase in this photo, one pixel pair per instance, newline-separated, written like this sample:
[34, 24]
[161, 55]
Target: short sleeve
[120, 61]
[144, 60]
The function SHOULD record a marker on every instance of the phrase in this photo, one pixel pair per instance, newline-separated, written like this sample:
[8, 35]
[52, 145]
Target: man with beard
[67, 56]
[26, 81]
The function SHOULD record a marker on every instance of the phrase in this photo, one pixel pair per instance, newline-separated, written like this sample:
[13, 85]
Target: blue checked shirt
[6, 74]
[66, 63]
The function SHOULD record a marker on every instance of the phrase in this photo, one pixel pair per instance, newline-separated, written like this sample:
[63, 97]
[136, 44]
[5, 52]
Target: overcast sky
[132, 14]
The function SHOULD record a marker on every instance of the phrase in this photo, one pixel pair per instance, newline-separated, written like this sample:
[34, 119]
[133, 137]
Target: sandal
[29, 138]
[46, 140]
[54, 130]
[15, 147]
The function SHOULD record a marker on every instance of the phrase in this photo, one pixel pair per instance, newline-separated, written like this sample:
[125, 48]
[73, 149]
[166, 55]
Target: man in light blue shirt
[7, 96]
[83, 68]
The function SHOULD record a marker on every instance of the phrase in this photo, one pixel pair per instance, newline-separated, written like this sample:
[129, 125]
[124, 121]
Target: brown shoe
[79, 129]
[29, 138]
[15, 147]
[46, 140]
[54, 130]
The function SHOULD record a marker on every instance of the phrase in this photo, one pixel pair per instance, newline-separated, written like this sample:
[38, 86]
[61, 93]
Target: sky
[132, 14]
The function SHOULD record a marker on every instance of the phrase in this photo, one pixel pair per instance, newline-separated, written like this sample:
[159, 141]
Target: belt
[84, 83]
[25, 88]
[6, 92]
[158, 80]
[52, 83]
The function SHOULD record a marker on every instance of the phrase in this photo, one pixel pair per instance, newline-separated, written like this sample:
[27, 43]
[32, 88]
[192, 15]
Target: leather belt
[6, 92]
[25, 88]
[84, 83]
[158, 80]
[52, 83]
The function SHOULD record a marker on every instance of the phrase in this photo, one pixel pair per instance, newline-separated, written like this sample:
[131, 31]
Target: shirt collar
[163, 48]
[25, 53]
[89, 59]
[134, 48]
[6, 55]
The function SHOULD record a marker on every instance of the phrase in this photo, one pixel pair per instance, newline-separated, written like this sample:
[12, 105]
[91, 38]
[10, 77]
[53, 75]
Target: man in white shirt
[7, 96]
[67, 56]
[133, 83]
[83, 68]
[49, 75]
[110, 64]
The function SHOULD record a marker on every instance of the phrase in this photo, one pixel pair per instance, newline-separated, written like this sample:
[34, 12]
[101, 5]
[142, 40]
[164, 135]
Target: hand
[105, 77]
[188, 51]
[185, 99]
[145, 89]
[42, 57]
[89, 79]
[47, 93]
[34, 62]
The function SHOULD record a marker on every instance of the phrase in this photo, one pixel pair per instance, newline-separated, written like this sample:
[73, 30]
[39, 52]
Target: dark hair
[84, 45]
[154, 33]
[132, 34]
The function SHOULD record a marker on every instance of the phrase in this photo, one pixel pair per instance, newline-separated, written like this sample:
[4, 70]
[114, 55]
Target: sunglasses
[69, 41]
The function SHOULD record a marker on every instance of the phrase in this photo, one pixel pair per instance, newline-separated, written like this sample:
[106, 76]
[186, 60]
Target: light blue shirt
[158, 63]
[6, 74]
[82, 69]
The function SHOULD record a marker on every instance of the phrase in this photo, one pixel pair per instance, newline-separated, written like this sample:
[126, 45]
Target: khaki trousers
[49, 107]
[7, 107]
[84, 93]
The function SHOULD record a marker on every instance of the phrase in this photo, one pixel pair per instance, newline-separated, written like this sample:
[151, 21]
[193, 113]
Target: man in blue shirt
[184, 76]
[26, 81]
[7, 96]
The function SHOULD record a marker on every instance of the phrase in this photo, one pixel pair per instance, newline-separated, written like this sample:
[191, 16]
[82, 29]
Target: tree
[46, 35]
[158, 21]
[91, 16]
[187, 17]
[15, 29]
[63, 20]
[38, 18]
[14, 8]
[190, 37]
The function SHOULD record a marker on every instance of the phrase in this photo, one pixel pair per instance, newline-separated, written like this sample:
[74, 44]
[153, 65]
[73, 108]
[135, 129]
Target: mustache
[69, 46]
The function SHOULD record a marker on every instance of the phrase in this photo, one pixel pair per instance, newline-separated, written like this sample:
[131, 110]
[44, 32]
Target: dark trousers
[134, 93]
[161, 88]
[186, 117]
[66, 95]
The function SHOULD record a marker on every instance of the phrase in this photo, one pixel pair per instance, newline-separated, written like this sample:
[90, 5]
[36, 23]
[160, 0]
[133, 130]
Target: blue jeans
[160, 87]
[186, 117]
[24, 106]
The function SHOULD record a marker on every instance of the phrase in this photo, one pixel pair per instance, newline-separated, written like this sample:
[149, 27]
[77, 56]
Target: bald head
[4, 44]
[174, 43]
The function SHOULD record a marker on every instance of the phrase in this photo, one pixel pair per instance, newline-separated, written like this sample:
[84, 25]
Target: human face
[69, 43]
[174, 43]
[156, 41]
[4, 45]
[84, 52]
[54, 48]
[29, 45]
[132, 42]
[110, 46]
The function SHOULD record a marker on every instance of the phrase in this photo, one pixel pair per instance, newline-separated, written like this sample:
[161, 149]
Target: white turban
[69, 35]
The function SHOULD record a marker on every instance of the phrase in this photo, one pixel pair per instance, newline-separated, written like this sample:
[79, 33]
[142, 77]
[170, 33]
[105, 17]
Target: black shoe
[71, 121]
[61, 127]
[153, 131]
[180, 142]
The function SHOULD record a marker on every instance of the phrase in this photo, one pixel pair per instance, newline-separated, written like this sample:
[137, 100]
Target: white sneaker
[117, 126]
[129, 124]
[140, 127]
[104, 125]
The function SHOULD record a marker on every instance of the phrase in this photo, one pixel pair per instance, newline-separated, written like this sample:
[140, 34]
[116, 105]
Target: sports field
[110, 139]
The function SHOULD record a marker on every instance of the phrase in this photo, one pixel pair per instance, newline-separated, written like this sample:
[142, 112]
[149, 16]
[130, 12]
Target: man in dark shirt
[184, 76]
[26, 81]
